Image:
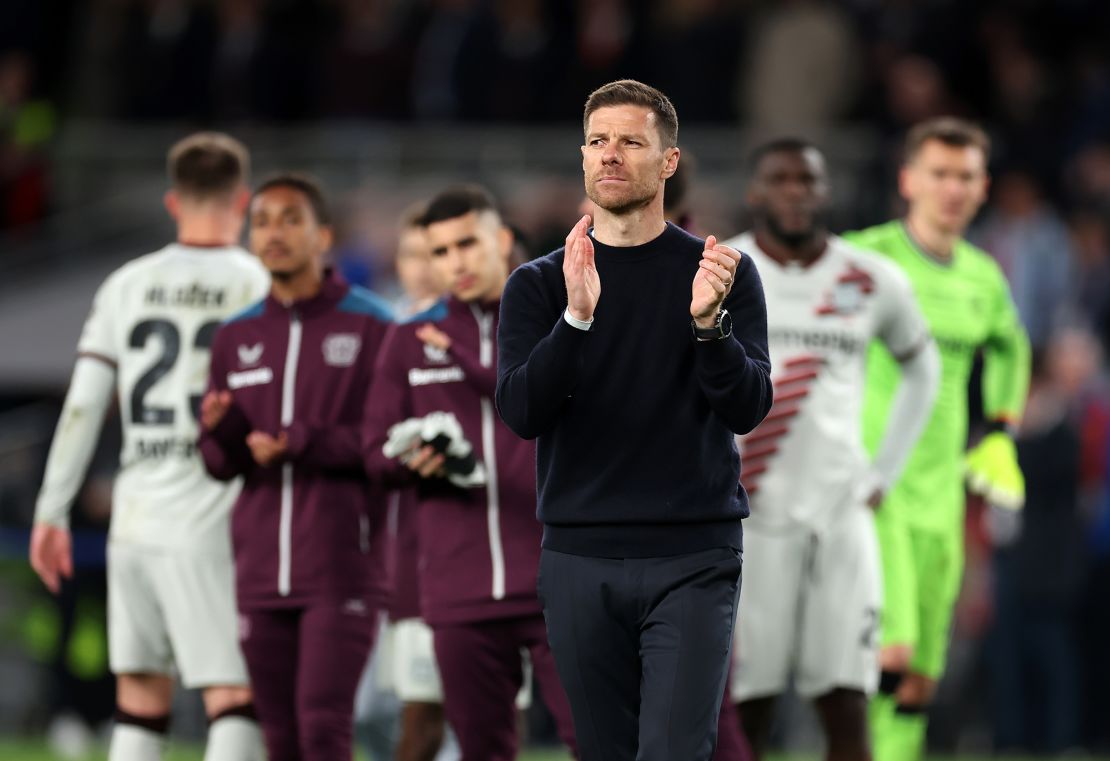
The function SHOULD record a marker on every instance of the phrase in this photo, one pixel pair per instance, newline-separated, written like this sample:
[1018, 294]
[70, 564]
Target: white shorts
[809, 608]
[415, 675]
[173, 612]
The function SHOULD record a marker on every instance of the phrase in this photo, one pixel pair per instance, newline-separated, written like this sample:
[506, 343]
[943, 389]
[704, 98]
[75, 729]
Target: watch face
[726, 323]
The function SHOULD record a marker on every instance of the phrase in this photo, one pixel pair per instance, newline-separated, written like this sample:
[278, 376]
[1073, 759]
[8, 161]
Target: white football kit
[810, 605]
[171, 597]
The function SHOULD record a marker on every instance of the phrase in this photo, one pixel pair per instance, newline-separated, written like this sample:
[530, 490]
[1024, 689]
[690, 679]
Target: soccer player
[968, 307]
[287, 389]
[811, 602]
[171, 604]
[634, 354]
[476, 491]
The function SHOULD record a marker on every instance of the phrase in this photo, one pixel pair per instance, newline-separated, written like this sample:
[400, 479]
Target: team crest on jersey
[849, 294]
[341, 349]
[250, 355]
[435, 355]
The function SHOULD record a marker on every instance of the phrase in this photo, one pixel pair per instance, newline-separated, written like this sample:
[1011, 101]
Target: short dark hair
[950, 130]
[629, 92]
[207, 165]
[306, 185]
[778, 145]
[457, 201]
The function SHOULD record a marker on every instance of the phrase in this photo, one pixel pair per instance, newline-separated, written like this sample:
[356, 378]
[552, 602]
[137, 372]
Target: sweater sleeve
[539, 355]
[388, 403]
[735, 372]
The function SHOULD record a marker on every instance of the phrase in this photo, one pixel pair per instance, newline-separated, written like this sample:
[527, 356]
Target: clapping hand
[580, 273]
[713, 281]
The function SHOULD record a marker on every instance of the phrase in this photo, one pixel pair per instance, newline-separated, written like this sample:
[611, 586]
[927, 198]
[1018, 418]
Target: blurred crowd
[1033, 620]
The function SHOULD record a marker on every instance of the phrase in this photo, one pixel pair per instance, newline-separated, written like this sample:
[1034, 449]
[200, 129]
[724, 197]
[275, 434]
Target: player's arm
[387, 404]
[90, 394]
[905, 334]
[223, 426]
[735, 372]
[539, 355]
[992, 468]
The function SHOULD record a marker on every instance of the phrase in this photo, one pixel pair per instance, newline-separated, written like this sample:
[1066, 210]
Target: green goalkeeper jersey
[967, 303]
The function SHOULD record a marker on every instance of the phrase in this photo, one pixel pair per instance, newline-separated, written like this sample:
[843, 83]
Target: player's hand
[51, 554]
[426, 462]
[992, 471]
[433, 336]
[267, 450]
[213, 408]
[713, 281]
[583, 282]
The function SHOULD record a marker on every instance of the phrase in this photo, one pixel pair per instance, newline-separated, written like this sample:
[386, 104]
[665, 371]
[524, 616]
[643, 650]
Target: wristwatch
[722, 328]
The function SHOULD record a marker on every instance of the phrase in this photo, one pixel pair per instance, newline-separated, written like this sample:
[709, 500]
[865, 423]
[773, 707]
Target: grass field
[32, 751]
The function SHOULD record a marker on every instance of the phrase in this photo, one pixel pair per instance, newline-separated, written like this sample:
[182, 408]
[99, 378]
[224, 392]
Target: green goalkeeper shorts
[922, 571]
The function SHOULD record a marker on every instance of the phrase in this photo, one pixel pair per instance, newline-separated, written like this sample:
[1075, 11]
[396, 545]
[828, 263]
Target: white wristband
[574, 322]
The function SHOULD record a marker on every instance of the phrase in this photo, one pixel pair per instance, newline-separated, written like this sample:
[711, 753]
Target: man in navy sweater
[634, 397]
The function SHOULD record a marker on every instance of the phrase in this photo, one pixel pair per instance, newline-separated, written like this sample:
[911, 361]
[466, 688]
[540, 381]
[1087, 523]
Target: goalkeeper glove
[993, 472]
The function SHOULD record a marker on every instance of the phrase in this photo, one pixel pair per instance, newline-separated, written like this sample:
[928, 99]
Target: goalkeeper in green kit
[966, 301]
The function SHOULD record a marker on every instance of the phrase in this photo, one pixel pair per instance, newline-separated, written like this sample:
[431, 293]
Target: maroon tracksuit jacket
[310, 528]
[479, 548]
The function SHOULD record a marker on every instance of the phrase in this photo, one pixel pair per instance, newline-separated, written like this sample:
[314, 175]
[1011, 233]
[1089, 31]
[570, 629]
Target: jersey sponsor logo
[161, 449]
[811, 340]
[435, 355]
[426, 377]
[341, 349]
[257, 377]
[849, 294]
[250, 355]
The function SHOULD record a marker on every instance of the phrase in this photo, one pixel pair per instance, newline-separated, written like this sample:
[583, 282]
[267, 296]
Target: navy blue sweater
[634, 418]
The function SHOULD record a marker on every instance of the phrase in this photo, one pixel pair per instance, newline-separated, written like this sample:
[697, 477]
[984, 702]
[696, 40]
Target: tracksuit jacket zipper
[288, 391]
[489, 457]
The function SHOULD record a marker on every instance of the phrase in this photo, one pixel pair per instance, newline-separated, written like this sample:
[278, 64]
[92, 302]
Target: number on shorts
[870, 628]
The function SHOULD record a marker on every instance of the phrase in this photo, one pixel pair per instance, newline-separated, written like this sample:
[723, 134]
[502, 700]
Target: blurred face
[285, 233]
[414, 266]
[470, 255]
[945, 185]
[624, 161]
[789, 192]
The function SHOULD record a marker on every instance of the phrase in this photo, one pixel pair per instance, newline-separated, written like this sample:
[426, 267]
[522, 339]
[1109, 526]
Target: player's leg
[939, 563]
[899, 624]
[335, 643]
[766, 626]
[416, 679]
[686, 632]
[140, 657]
[197, 592]
[591, 626]
[533, 634]
[838, 663]
[270, 641]
[482, 672]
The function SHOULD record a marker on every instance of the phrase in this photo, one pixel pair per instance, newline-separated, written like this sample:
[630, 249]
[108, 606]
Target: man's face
[789, 192]
[285, 233]
[945, 185]
[414, 265]
[470, 255]
[624, 161]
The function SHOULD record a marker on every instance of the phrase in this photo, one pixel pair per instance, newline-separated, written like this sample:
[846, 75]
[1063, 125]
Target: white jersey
[154, 319]
[807, 457]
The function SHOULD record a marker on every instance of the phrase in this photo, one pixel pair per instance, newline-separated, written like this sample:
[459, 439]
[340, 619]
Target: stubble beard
[637, 197]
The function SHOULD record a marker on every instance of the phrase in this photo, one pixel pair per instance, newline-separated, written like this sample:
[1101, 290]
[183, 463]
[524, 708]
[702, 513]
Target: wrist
[707, 321]
[580, 315]
[576, 321]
